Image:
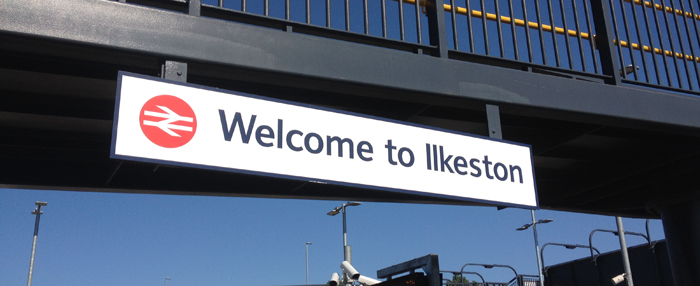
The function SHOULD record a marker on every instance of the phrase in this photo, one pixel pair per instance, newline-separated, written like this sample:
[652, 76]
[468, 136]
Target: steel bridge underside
[598, 148]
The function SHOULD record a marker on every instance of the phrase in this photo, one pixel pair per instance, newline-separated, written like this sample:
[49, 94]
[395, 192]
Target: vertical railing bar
[221, 3]
[383, 2]
[501, 45]
[539, 24]
[328, 13]
[566, 33]
[455, 38]
[578, 35]
[347, 15]
[680, 40]
[639, 38]
[486, 30]
[308, 11]
[661, 43]
[286, 10]
[697, 34]
[244, 6]
[469, 25]
[366, 12]
[673, 46]
[527, 31]
[401, 24]
[512, 28]
[629, 43]
[418, 24]
[266, 8]
[651, 44]
[616, 31]
[554, 33]
[591, 39]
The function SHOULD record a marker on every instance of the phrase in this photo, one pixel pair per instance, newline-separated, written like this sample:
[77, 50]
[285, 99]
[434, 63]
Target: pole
[345, 236]
[166, 280]
[38, 213]
[623, 248]
[307, 262]
[537, 249]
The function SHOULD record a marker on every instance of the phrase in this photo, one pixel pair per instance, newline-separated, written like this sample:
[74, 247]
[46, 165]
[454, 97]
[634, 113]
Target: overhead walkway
[606, 138]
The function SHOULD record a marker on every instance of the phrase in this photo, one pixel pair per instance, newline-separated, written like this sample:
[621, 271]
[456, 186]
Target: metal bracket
[494, 121]
[172, 70]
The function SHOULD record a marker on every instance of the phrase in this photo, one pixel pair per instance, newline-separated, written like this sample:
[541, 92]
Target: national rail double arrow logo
[168, 121]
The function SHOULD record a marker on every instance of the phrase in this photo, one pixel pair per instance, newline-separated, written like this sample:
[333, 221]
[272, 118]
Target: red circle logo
[168, 121]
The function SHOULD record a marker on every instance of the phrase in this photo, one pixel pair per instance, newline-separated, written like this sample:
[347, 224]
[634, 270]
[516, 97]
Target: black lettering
[460, 162]
[259, 135]
[445, 163]
[307, 144]
[435, 158]
[389, 149]
[279, 133]
[289, 140]
[410, 154]
[505, 171]
[340, 145]
[228, 132]
[486, 167]
[512, 173]
[472, 163]
[427, 152]
[364, 147]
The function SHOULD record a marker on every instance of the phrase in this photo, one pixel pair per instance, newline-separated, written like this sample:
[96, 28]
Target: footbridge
[604, 91]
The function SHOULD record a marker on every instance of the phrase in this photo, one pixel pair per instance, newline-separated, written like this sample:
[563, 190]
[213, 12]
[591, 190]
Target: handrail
[590, 237]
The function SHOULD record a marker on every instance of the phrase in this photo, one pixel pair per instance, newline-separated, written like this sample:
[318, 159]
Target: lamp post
[489, 266]
[166, 280]
[347, 256]
[307, 262]
[537, 245]
[38, 213]
[567, 246]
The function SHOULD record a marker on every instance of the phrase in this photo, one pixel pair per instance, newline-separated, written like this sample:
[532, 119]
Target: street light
[38, 213]
[623, 246]
[489, 266]
[307, 262]
[461, 274]
[166, 280]
[537, 245]
[347, 256]
[567, 246]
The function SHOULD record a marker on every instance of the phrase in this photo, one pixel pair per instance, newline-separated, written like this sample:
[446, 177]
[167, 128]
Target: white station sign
[186, 125]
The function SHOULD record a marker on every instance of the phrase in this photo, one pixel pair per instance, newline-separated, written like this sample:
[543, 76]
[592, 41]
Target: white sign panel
[182, 124]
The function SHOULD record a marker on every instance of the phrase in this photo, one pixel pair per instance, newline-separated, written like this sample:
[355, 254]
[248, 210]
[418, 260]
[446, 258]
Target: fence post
[604, 40]
[435, 10]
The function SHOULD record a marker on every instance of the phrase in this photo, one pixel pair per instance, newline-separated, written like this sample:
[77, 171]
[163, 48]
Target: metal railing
[654, 43]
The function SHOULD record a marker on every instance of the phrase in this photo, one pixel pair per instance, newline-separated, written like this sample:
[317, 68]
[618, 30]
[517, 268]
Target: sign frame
[114, 155]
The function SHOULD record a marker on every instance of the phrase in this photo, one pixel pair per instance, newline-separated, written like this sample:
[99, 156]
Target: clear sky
[115, 239]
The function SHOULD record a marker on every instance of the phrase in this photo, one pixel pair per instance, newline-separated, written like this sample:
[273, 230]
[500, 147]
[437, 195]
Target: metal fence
[653, 43]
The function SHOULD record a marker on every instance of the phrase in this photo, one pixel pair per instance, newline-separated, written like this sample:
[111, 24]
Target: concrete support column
[681, 222]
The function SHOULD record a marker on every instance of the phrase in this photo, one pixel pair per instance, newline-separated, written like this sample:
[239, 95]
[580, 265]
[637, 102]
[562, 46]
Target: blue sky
[135, 239]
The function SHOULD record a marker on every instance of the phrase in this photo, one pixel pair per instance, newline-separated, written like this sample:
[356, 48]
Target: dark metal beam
[193, 39]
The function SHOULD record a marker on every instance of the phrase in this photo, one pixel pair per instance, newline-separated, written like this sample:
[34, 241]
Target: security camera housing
[619, 279]
[347, 268]
[367, 281]
[335, 280]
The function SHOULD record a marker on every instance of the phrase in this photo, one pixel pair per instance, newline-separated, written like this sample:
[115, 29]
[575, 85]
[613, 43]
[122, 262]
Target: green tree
[458, 280]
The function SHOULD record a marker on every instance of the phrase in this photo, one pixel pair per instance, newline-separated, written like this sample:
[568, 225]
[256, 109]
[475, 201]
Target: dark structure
[605, 91]
[649, 262]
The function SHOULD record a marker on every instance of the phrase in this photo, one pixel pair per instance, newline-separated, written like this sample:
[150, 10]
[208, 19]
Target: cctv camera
[335, 280]
[619, 278]
[367, 281]
[347, 268]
